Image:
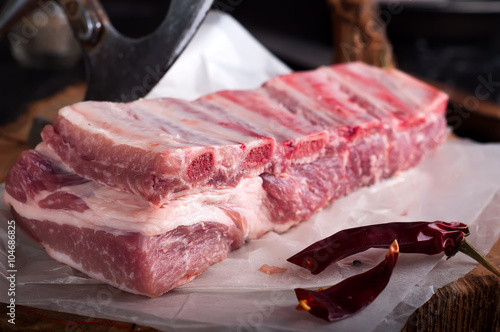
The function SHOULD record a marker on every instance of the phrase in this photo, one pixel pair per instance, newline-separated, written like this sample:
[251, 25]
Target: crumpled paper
[459, 182]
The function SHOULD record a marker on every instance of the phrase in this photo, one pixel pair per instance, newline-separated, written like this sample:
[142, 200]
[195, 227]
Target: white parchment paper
[459, 182]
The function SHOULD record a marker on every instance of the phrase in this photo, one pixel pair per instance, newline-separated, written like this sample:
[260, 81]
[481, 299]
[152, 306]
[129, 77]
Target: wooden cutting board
[471, 303]
[14, 136]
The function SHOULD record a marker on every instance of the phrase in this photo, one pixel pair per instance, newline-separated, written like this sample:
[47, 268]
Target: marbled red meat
[152, 192]
[154, 148]
[147, 265]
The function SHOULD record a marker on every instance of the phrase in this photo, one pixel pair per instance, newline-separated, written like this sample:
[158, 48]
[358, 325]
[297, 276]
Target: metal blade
[124, 69]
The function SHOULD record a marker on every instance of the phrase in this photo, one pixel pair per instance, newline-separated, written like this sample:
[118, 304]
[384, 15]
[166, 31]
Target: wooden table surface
[471, 303]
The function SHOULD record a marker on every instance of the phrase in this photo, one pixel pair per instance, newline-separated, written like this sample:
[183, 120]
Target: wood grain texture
[39, 320]
[46, 108]
[9, 151]
[472, 303]
[14, 136]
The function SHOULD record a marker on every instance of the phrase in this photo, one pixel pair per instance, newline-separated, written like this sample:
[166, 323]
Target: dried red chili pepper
[350, 295]
[413, 237]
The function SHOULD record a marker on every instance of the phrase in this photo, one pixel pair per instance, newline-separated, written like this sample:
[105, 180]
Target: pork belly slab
[153, 148]
[124, 240]
[147, 195]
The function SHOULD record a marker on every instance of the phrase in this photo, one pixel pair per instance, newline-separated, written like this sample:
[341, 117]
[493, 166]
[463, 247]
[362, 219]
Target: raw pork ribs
[147, 195]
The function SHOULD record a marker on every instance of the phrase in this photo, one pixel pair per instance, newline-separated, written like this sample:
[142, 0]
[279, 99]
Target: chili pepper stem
[472, 252]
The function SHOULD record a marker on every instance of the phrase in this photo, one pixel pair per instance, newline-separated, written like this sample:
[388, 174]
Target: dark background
[455, 42]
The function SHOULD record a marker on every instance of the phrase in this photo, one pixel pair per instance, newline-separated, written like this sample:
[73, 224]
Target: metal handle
[85, 18]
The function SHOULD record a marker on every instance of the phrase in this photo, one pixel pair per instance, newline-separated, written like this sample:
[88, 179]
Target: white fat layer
[418, 96]
[195, 128]
[124, 212]
[127, 212]
[304, 100]
[153, 125]
[346, 113]
[259, 122]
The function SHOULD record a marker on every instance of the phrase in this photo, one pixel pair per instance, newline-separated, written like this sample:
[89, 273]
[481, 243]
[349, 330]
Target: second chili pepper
[350, 295]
